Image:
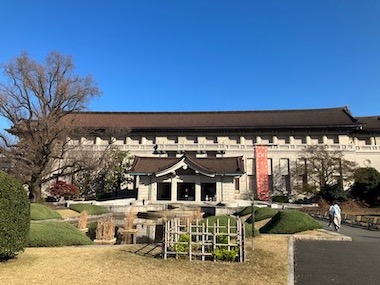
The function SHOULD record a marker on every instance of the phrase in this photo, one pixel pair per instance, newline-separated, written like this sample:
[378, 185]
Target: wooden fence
[366, 221]
[201, 241]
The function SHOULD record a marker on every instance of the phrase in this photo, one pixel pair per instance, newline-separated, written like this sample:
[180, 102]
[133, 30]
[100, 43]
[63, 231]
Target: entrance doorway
[164, 191]
[186, 192]
[208, 191]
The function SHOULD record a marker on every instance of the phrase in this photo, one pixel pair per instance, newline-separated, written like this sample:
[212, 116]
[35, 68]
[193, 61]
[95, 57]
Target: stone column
[197, 188]
[174, 181]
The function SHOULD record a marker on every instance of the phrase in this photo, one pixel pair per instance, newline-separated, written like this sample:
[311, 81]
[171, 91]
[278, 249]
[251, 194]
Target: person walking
[337, 218]
[331, 214]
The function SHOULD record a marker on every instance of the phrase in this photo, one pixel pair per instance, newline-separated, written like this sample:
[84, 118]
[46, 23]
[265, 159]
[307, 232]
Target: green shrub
[50, 234]
[262, 214]
[14, 217]
[42, 212]
[183, 244]
[91, 233]
[280, 199]
[290, 222]
[91, 209]
[222, 253]
[245, 211]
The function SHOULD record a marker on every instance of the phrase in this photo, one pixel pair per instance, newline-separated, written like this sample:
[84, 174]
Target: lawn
[128, 265]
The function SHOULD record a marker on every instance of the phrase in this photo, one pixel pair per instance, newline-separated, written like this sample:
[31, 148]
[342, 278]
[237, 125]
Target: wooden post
[190, 237]
[165, 243]
[214, 242]
[203, 242]
[228, 234]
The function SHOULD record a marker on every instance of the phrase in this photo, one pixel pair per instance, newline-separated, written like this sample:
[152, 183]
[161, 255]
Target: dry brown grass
[127, 265]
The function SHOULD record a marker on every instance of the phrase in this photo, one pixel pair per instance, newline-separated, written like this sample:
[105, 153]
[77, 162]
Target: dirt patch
[351, 207]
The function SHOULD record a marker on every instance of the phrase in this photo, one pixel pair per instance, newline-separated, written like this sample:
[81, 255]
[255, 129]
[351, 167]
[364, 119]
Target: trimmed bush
[245, 211]
[42, 212]
[90, 209]
[262, 214]
[280, 199]
[223, 220]
[14, 217]
[51, 234]
[91, 233]
[290, 222]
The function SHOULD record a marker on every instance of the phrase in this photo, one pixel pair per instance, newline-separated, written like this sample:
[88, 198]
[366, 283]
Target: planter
[85, 230]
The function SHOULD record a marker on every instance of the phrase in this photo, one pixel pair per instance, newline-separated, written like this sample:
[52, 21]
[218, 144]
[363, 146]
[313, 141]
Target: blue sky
[200, 55]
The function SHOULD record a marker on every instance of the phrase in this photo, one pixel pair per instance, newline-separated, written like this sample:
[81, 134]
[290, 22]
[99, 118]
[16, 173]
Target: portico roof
[160, 166]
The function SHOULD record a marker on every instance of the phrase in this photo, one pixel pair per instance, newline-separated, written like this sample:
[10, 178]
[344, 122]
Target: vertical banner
[261, 155]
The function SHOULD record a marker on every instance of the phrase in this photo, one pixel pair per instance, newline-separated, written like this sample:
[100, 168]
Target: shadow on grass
[150, 250]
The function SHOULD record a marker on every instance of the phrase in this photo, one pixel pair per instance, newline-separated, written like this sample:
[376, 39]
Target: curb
[328, 235]
[291, 261]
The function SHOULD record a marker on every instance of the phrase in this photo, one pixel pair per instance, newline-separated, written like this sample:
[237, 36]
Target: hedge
[290, 222]
[14, 217]
[51, 234]
[42, 212]
[262, 214]
[91, 209]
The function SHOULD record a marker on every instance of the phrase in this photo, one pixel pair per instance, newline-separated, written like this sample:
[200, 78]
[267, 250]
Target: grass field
[129, 265]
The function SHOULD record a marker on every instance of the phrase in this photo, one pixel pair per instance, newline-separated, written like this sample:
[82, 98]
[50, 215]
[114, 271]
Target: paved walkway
[339, 262]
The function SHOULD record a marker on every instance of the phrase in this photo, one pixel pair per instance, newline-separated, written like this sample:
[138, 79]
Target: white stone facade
[283, 149]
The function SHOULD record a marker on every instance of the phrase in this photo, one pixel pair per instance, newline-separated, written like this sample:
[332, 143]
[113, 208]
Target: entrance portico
[186, 178]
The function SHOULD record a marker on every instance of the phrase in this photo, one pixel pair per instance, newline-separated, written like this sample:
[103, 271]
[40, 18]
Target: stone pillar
[258, 140]
[174, 181]
[197, 188]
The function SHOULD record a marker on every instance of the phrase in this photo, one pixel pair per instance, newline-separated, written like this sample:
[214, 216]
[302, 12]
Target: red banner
[262, 183]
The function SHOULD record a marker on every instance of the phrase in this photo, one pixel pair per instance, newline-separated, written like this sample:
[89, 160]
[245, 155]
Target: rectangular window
[237, 184]
[284, 166]
[270, 175]
[208, 191]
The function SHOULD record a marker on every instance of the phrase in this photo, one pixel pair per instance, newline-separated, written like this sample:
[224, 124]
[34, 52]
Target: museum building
[229, 155]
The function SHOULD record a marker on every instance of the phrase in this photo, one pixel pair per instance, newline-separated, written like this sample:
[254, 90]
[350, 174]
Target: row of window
[297, 139]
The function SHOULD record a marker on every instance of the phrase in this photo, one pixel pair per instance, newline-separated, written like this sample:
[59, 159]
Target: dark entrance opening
[186, 192]
[208, 191]
[164, 191]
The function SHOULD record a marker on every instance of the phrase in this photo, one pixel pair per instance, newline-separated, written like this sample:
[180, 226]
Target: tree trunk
[35, 195]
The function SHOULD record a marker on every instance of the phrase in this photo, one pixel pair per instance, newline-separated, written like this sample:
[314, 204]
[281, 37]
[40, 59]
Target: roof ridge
[345, 108]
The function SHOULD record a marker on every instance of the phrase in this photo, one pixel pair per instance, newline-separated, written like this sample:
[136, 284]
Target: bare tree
[96, 172]
[36, 98]
[318, 167]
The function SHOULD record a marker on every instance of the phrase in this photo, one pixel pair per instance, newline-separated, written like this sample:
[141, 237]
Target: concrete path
[339, 262]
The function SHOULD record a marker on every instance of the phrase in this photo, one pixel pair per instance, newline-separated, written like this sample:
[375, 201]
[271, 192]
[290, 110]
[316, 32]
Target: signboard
[261, 155]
